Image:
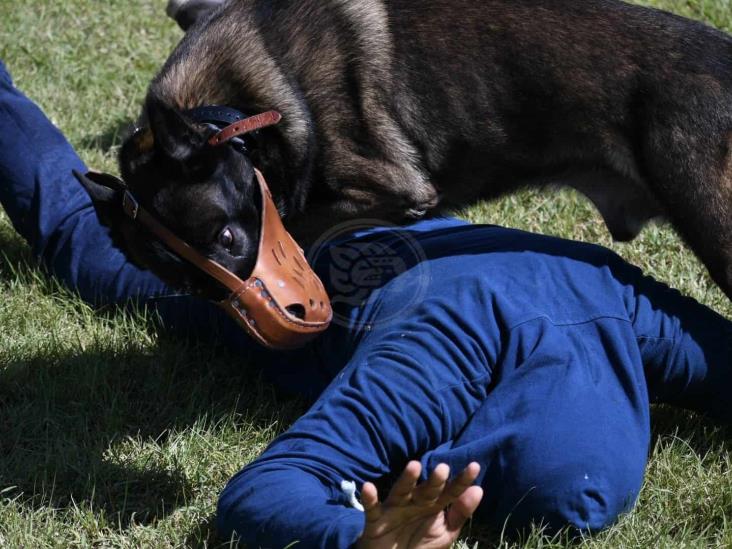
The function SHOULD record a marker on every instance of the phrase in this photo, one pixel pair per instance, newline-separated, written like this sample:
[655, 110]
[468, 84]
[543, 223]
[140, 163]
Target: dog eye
[226, 238]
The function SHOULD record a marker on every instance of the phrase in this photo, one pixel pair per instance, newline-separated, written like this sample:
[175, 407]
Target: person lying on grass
[478, 370]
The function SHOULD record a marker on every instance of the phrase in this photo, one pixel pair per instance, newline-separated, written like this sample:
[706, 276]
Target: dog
[394, 109]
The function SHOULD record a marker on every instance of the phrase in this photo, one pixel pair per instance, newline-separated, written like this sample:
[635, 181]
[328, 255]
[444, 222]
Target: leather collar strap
[137, 213]
[232, 123]
[248, 125]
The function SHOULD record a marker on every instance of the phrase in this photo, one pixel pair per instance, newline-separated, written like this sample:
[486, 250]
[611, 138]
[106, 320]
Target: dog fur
[394, 108]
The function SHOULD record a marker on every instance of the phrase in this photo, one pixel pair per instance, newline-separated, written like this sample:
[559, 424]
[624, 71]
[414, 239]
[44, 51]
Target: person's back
[532, 355]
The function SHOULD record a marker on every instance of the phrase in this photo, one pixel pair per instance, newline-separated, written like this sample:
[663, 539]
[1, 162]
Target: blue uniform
[535, 356]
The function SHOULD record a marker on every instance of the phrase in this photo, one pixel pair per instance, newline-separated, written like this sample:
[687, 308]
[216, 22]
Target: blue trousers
[535, 356]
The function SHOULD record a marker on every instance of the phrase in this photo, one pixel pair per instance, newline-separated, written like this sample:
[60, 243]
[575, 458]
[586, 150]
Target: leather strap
[137, 213]
[248, 125]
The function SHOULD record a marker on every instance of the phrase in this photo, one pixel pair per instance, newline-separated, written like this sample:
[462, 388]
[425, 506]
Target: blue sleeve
[686, 348]
[362, 426]
[52, 211]
[411, 385]
[54, 214]
[277, 504]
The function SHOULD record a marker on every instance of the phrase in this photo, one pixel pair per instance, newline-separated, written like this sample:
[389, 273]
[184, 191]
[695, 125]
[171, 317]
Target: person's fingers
[459, 484]
[370, 502]
[401, 492]
[463, 508]
[430, 490]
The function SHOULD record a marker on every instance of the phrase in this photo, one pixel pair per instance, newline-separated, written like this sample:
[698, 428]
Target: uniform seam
[656, 338]
[579, 323]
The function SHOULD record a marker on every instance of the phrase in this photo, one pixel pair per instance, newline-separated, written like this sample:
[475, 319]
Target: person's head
[206, 195]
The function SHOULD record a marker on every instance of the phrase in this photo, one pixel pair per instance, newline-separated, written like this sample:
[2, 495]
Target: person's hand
[428, 516]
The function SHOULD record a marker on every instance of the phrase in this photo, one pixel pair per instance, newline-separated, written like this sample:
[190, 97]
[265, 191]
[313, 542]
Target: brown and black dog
[393, 108]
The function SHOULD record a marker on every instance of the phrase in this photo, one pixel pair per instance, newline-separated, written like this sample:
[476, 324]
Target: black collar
[216, 114]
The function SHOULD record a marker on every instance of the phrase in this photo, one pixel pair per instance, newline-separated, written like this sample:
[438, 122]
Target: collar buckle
[130, 205]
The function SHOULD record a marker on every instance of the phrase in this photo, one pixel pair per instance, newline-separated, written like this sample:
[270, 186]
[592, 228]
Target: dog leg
[704, 220]
[383, 190]
[625, 205]
[689, 162]
[324, 215]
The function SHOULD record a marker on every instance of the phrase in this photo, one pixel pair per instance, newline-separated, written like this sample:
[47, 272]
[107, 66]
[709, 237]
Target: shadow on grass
[71, 426]
[68, 417]
[700, 433]
[110, 138]
[204, 535]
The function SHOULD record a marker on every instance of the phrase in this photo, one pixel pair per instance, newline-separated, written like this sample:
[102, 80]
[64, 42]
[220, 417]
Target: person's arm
[295, 490]
[686, 348]
[400, 396]
[275, 504]
[413, 515]
[52, 211]
[54, 214]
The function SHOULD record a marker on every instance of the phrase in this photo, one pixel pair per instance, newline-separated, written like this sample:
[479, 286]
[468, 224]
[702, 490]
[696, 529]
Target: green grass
[112, 434]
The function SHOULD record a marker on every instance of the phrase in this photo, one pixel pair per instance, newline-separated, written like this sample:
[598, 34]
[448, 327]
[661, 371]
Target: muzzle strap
[138, 214]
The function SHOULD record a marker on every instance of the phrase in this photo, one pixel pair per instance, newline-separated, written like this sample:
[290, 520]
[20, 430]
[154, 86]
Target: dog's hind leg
[688, 160]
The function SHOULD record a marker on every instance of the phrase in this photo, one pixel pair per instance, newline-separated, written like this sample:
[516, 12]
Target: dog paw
[413, 213]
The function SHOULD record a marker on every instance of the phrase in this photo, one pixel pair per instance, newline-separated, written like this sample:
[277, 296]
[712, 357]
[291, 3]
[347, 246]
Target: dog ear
[174, 135]
[104, 193]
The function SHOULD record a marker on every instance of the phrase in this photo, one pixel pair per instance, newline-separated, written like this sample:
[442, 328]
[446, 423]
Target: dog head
[206, 195]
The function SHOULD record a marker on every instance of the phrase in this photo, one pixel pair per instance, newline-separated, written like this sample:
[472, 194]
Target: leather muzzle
[283, 303]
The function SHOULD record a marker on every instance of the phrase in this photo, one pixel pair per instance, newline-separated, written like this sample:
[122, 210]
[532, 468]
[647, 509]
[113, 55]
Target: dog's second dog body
[392, 108]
